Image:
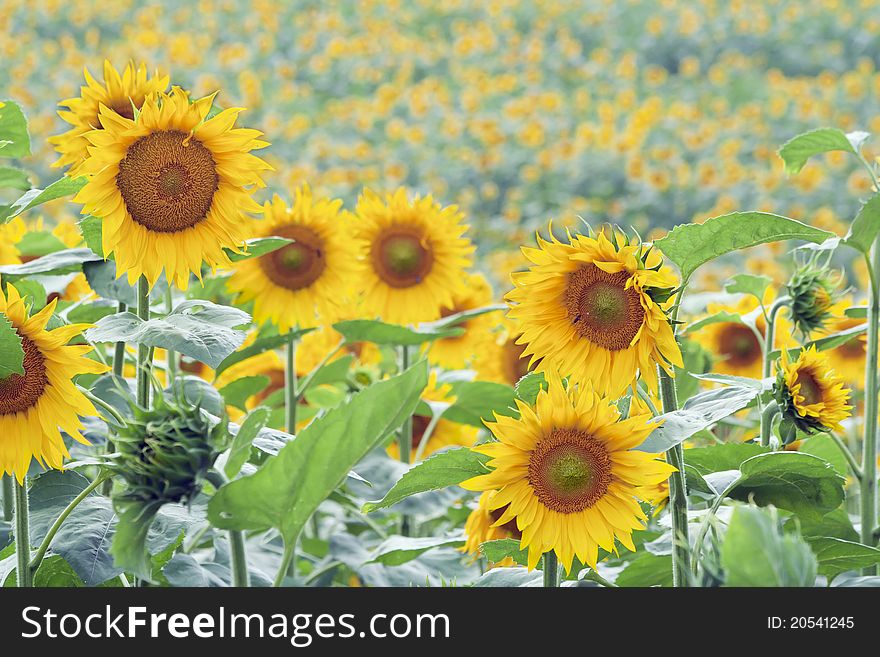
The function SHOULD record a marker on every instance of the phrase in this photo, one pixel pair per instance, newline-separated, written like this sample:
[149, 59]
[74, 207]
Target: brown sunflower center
[168, 181]
[569, 470]
[419, 427]
[124, 108]
[739, 345]
[810, 389]
[602, 309]
[401, 258]
[514, 366]
[19, 392]
[297, 265]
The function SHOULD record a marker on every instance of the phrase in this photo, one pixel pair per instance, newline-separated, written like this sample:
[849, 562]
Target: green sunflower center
[602, 309]
[168, 180]
[401, 258]
[297, 265]
[810, 389]
[739, 345]
[569, 470]
[19, 392]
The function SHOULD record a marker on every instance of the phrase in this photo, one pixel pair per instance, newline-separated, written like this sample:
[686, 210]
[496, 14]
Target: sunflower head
[480, 527]
[595, 309]
[171, 186]
[814, 289]
[810, 395]
[566, 472]
[119, 94]
[459, 351]
[166, 451]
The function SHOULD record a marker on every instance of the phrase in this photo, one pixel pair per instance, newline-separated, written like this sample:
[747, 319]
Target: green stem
[307, 380]
[23, 574]
[868, 484]
[171, 361]
[143, 360]
[8, 498]
[97, 401]
[853, 464]
[593, 576]
[707, 521]
[404, 441]
[44, 546]
[237, 549]
[286, 563]
[770, 335]
[290, 397]
[118, 374]
[767, 417]
[551, 570]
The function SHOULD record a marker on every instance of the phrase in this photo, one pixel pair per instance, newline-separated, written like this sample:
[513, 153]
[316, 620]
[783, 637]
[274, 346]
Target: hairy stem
[404, 440]
[767, 417]
[868, 484]
[551, 570]
[23, 574]
[290, 395]
[8, 498]
[143, 361]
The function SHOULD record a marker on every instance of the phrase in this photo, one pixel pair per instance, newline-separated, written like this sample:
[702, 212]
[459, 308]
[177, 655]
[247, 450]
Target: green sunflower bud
[814, 288]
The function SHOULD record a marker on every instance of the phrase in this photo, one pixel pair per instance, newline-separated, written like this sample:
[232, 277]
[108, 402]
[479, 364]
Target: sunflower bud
[814, 288]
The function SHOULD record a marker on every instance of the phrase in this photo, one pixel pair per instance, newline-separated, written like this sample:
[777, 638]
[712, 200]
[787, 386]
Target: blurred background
[642, 112]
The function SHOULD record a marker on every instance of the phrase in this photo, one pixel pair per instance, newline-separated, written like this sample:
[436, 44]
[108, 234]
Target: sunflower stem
[868, 483]
[237, 549]
[286, 565]
[8, 498]
[770, 412]
[23, 574]
[171, 361]
[551, 570]
[118, 374]
[290, 382]
[404, 440]
[850, 459]
[143, 361]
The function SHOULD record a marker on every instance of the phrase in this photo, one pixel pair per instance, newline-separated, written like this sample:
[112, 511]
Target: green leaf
[239, 391]
[333, 372]
[647, 570]
[33, 293]
[476, 401]
[11, 352]
[53, 264]
[699, 412]
[692, 245]
[748, 284]
[721, 317]
[443, 469]
[288, 488]
[259, 346]
[241, 443]
[54, 571]
[696, 361]
[823, 446]
[12, 178]
[38, 243]
[258, 247]
[92, 232]
[835, 524]
[498, 550]
[371, 330]
[828, 342]
[836, 556]
[801, 483]
[721, 457]
[856, 312]
[797, 151]
[14, 138]
[199, 329]
[509, 578]
[756, 553]
[865, 227]
[129, 541]
[397, 550]
[528, 387]
[460, 318]
[34, 197]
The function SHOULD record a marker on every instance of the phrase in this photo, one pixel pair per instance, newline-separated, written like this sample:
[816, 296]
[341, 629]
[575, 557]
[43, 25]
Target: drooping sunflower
[567, 473]
[479, 528]
[307, 279]
[120, 94]
[172, 186]
[459, 351]
[586, 308]
[43, 401]
[810, 394]
[412, 256]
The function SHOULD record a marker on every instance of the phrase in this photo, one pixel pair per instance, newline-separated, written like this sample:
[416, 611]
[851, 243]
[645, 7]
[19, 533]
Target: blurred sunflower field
[439, 294]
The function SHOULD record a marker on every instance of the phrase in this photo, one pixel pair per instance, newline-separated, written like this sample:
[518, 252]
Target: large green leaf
[834, 524]
[499, 549]
[476, 401]
[836, 556]
[241, 389]
[289, 487]
[721, 457]
[692, 245]
[528, 387]
[647, 570]
[397, 550]
[53, 264]
[866, 226]
[199, 329]
[12, 178]
[752, 284]
[371, 330]
[798, 150]
[11, 353]
[259, 346]
[259, 246]
[444, 469]
[241, 443]
[34, 197]
[14, 138]
[757, 553]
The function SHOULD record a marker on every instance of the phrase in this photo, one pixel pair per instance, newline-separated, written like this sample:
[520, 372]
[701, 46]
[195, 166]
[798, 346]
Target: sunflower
[10, 236]
[119, 94]
[480, 528]
[446, 433]
[567, 473]
[810, 394]
[43, 401]
[500, 358]
[848, 359]
[306, 279]
[458, 352]
[171, 186]
[586, 308]
[413, 256]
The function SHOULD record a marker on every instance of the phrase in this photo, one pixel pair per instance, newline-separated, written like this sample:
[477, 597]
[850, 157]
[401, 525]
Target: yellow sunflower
[500, 358]
[585, 309]
[307, 279]
[119, 94]
[810, 393]
[480, 527]
[10, 235]
[412, 256]
[568, 474]
[458, 352]
[37, 405]
[172, 186]
[445, 434]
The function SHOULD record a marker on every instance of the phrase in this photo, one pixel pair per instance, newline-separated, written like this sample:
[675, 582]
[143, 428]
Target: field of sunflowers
[444, 294]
